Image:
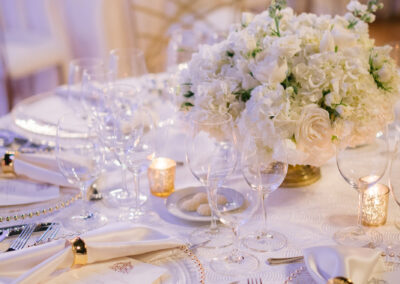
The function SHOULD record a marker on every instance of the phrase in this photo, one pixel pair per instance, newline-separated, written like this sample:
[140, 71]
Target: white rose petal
[270, 70]
[327, 42]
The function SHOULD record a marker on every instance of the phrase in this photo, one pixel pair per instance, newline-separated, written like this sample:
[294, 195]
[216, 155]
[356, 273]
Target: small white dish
[174, 202]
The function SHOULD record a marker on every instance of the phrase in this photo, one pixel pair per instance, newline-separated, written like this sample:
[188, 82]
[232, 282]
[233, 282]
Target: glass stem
[212, 197]
[123, 174]
[264, 211]
[360, 202]
[136, 181]
[235, 255]
[85, 203]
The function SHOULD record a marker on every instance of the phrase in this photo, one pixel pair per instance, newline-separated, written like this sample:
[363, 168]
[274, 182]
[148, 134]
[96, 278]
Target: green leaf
[187, 104]
[230, 53]
[290, 81]
[325, 92]
[243, 95]
[336, 48]
[352, 24]
[189, 94]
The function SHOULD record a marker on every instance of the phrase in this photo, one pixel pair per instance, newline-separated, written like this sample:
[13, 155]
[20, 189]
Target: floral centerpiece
[302, 79]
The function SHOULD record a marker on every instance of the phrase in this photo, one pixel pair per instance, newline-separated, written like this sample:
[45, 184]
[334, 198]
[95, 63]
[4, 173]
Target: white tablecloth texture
[308, 216]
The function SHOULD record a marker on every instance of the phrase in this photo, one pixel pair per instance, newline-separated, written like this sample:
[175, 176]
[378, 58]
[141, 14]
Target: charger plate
[16, 213]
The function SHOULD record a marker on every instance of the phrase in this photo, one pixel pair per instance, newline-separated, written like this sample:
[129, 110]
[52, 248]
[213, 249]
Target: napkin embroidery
[122, 267]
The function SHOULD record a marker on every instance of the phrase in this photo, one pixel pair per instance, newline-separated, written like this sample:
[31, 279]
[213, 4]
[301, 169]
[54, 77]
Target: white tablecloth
[308, 216]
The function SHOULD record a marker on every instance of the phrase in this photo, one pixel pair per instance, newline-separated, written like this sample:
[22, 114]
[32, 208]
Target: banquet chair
[152, 22]
[32, 40]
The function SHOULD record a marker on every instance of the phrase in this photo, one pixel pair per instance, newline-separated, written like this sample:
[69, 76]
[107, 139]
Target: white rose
[286, 46]
[270, 70]
[314, 133]
[327, 43]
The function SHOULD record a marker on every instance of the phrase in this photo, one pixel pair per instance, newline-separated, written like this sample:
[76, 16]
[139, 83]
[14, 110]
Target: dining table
[308, 216]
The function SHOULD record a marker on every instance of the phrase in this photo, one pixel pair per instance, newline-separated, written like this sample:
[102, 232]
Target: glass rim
[75, 61]
[130, 50]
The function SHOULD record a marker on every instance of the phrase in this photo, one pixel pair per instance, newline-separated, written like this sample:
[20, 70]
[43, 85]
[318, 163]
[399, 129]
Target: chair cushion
[27, 54]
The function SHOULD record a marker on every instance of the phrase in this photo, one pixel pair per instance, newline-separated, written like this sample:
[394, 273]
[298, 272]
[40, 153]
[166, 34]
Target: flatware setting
[25, 231]
[23, 238]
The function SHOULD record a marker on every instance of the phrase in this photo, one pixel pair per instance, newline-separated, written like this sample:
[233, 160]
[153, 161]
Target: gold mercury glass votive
[161, 174]
[375, 205]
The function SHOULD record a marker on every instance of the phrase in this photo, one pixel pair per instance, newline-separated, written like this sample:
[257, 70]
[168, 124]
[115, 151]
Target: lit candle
[161, 174]
[375, 205]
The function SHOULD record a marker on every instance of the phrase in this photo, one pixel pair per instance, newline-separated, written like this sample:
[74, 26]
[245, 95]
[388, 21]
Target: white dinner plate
[174, 202]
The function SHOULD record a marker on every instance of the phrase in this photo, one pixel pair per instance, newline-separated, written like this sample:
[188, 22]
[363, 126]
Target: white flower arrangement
[302, 79]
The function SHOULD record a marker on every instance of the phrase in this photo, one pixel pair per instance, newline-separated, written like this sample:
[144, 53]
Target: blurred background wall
[90, 28]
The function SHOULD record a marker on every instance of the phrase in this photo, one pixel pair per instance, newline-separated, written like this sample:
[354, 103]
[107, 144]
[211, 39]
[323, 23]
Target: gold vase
[301, 175]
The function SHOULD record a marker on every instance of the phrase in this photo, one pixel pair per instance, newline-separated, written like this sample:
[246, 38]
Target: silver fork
[254, 281]
[23, 238]
[49, 234]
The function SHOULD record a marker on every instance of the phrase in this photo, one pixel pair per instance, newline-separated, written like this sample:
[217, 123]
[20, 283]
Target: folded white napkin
[117, 271]
[357, 264]
[36, 264]
[39, 167]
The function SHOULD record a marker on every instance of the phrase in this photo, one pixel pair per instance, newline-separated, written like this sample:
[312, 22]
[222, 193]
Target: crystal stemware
[125, 63]
[361, 166]
[212, 157]
[264, 168]
[79, 159]
[75, 76]
[132, 142]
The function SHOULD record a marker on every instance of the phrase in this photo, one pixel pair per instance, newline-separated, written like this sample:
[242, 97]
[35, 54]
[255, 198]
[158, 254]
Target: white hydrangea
[312, 80]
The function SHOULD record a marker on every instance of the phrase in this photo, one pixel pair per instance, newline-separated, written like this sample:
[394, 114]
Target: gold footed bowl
[301, 175]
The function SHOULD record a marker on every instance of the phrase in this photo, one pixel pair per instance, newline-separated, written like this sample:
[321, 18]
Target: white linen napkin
[36, 264]
[357, 264]
[118, 271]
[40, 167]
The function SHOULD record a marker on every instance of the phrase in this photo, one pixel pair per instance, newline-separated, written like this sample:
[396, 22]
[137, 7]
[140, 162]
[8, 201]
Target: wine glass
[212, 157]
[95, 82]
[184, 42]
[76, 69]
[79, 159]
[264, 168]
[133, 143]
[127, 63]
[361, 166]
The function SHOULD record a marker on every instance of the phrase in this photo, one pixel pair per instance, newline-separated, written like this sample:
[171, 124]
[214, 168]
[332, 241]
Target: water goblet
[79, 159]
[264, 168]
[76, 70]
[361, 166]
[125, 63]
[132, 142]
[211, 157]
